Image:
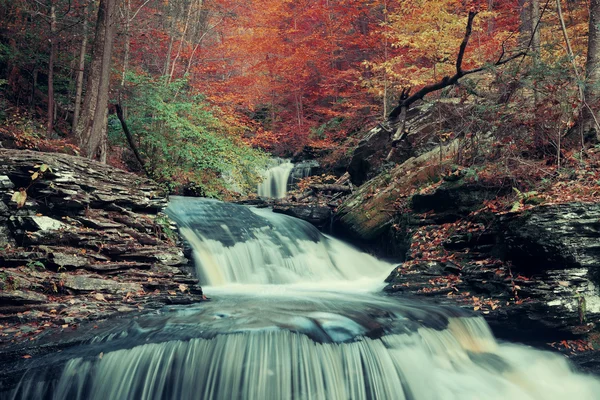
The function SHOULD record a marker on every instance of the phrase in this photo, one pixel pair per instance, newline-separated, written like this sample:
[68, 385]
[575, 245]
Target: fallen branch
[331, 188]
[304, 195]
[119, 111]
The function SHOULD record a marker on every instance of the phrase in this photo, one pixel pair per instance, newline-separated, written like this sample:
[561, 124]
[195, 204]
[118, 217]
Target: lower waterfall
[296, 315]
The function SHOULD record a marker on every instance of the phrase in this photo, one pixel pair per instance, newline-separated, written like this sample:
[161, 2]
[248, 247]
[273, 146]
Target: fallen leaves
[19, 197]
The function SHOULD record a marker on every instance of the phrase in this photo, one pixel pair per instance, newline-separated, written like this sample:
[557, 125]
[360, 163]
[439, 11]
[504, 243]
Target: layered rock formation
[88, 241]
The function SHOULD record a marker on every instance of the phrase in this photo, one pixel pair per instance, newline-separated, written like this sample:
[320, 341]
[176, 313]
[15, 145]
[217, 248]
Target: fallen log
[331, 188]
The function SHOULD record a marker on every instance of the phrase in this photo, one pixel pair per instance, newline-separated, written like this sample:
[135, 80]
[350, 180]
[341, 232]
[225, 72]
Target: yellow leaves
[19, 197]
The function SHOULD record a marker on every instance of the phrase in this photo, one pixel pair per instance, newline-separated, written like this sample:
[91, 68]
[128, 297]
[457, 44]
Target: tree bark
[535, 44]
[183, 34]
[98, 130]
[91, 127]
[81, 69]
[592, 70]
[53, 38]
[331, 188]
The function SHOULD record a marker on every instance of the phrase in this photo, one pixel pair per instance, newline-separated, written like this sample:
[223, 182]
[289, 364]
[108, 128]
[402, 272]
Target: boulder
[368, 214]
[423, 122]
[559, 236]
[316, 215]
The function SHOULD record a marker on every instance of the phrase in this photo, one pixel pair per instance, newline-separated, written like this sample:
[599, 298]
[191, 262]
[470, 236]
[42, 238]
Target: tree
[80, 69]
[398, 114]
[592, 71]
[91, 130]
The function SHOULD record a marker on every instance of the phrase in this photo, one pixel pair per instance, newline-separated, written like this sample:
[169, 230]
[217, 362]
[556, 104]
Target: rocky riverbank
[532, 272]
[81, 241]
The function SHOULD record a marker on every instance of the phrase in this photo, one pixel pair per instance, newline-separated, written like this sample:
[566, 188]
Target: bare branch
[465, 42]
[446, 81]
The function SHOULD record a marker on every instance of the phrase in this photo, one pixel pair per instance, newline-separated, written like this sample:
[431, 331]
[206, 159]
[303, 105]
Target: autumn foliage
[283, 75]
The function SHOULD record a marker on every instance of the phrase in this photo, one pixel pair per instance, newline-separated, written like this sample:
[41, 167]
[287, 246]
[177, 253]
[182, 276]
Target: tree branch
[119, 111]
[446, 81]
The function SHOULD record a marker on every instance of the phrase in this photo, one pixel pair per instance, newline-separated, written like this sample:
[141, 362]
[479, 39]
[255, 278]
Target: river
[296, 314]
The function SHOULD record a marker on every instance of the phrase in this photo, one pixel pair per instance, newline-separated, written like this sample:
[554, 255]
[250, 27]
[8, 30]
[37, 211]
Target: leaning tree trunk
[592, 71]
[91, 127]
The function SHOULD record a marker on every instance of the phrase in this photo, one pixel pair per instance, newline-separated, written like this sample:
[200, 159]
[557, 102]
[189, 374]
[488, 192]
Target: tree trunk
[535, 45]
[53, 38]
[187, 23]
[91, 127]
[81, 69]
[592, 70]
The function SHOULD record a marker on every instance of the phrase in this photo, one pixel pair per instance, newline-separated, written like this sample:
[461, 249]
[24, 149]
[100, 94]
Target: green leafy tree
[183, 140]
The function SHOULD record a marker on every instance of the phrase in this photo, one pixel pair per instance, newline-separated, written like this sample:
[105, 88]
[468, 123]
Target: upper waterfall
[275, 182]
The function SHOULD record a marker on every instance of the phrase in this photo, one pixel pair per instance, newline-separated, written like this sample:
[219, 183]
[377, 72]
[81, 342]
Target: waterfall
[295, 315]
[275, 182]
[234, 244]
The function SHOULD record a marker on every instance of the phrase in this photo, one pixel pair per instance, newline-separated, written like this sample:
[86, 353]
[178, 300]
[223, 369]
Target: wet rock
[44, 223]
[316, 215]
[368, 214]
[86, 283]
[455, 200]
[86, 227]
[19, 297]
[554, 236]
[5, 182]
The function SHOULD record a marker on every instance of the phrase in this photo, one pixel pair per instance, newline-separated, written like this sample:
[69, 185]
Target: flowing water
[275, 180]
[296, 315]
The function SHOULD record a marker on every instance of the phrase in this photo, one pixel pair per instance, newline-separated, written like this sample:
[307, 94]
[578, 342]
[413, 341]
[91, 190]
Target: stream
[295, 314]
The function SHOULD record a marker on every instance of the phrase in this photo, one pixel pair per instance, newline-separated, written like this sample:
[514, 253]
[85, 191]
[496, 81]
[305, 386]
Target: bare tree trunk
[187, 23]
[172, 35]
[592, 70]
[81, 69]
[570, 51]
[53, 38]
[525, 26]
[535, 44]
[127, 41]
[91, 127]
[93, 80]
[97, 132]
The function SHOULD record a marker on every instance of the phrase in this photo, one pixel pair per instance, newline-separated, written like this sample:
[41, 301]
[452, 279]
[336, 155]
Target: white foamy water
[296, 315]
[275, 180]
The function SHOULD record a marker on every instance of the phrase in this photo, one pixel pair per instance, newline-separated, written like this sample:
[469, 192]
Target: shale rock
[85, 228]
[423, 121]
[554, 236]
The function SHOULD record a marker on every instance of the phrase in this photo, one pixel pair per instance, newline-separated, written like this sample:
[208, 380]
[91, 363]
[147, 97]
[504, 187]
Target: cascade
[295, 315]
[275, 182]
[302, 170]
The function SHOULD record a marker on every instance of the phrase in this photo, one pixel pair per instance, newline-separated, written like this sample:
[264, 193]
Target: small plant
[20, 196]
[524, 198]
[36, 265]
[163, 224]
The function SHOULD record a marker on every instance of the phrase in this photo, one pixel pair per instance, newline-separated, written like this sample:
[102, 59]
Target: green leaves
[183, 140]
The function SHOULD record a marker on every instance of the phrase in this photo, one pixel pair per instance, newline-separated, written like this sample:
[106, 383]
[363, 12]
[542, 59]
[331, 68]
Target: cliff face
[80, 240]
